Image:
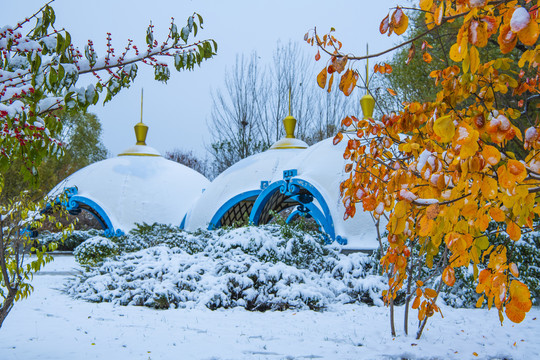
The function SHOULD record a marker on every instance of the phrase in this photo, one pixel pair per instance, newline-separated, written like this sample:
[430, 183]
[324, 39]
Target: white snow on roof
[323, 166]
[137, 189]
[245, 175]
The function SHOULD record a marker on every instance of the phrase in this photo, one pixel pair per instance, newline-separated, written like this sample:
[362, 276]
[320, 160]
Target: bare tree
[247, 116]
[189, 159]
[234, 120]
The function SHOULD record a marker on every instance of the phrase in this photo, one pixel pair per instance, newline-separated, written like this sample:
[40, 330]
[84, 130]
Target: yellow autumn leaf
[321, 78]
[474, 57]
[513, 269]
[426, 5]
[497, 214]
[491, 154]
[513, 231]
[449, 276]
[489, 188]
[444, 128]
[455, 53]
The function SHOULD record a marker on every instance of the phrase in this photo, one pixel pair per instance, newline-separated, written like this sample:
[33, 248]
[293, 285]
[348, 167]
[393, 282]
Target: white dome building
[229, 199]
[291, 176]
[136, 186]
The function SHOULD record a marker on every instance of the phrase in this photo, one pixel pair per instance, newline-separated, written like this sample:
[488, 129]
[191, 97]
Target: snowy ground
[51, 325]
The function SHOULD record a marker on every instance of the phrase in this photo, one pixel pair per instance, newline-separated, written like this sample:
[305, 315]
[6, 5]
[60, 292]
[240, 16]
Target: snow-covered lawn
[51, 325]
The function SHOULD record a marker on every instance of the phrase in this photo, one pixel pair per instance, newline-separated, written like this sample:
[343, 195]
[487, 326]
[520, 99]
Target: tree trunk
[392, 326]
[7, 305]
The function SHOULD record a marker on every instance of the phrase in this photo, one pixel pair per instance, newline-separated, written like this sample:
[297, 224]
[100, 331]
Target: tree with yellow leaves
[443, 170]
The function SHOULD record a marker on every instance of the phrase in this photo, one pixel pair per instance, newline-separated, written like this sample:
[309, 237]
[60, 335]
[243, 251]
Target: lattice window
[238, 214]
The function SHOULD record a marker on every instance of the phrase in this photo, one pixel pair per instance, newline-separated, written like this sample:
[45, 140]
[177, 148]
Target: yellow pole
[142, 90]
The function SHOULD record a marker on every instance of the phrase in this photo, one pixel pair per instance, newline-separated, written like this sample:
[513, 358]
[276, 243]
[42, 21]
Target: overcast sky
[177, 112]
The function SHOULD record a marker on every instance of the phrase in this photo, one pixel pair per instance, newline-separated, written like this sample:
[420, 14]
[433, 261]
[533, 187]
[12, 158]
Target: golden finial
[141, 129]
[367, 102]
[290, 141]
[289, 122]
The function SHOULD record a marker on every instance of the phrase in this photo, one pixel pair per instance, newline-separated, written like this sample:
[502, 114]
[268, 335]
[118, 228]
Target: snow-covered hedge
[95, 250]
[72, 240]
[258, 268]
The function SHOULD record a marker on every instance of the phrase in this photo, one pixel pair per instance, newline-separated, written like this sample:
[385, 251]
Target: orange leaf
[387, 68]
[491, 154]
[321, 78]
[318, 56]
[427, 57]
[432, 211]
[497, 214]
[330, 82]
[529, 35]
[514, 313]
[338, 138]
[392, 92]
[449, 276]
[348, 82]
[416, 303]
[513, 230]
[507, 39]
[426, 225]
[517, 169]
[430, 292]
[439, 13]
[385, 23]
[412, 51]
[400, 21]
[514, 269]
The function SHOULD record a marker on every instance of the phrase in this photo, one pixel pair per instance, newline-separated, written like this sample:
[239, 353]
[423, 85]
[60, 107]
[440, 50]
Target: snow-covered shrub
[72, 240]
[94, 250]
[257, 268]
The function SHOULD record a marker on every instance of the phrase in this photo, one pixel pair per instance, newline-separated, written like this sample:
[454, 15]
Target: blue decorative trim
[73, 202]
[183, 223]
[288, 174]
[264, 184]
[292, 188]
[216, 219]
[110, 233]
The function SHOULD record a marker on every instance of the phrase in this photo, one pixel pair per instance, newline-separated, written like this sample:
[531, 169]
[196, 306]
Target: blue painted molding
[288, 174]
[291, 187]
[216, 219]
[183, 223]
[73, 202]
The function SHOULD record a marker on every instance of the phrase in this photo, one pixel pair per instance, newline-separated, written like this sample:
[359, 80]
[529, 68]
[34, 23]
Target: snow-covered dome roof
[242, 182]
[230, 197]
[290, 175]
[322, 167]
[135, 187]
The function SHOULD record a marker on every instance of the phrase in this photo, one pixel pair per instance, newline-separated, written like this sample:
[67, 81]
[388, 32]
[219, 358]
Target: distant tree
[234, 120]
[81, 146]
[247, 117]
[189, 159]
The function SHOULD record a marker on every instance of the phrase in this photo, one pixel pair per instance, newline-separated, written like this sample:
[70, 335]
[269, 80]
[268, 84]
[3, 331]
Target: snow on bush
[72, 240]
[94, 250]
[262, 268]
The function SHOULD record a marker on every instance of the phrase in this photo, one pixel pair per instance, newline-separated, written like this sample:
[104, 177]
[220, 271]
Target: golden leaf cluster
[442, 170]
